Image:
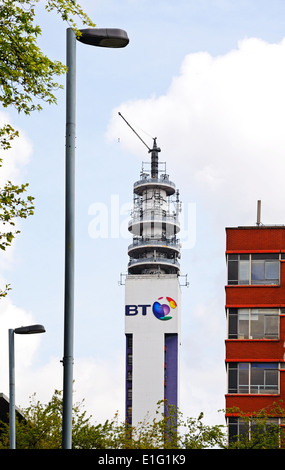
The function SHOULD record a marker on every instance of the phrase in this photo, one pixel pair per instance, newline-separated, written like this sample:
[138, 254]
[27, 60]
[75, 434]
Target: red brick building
[255, 309]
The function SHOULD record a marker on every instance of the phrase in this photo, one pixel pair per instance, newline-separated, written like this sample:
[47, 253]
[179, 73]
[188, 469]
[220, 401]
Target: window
[238, 269]
[264, 378]
[237, 427]
[265, 270]
[129, 367]
[253, 323]
[253, 378]
[250, 429]
[253, 269]
[129, 341]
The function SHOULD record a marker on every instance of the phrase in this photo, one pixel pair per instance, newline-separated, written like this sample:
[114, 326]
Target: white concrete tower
[152, 295]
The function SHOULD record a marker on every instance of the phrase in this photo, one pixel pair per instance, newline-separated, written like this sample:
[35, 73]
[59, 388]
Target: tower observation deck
[154, 221]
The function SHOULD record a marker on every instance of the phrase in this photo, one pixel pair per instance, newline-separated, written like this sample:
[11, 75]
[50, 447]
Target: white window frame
[250, 385]
[250, 265]
[250, 314]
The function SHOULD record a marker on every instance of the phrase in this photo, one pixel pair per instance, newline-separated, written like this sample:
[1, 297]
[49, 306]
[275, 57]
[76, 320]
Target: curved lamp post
[24, 330]
[113, 38]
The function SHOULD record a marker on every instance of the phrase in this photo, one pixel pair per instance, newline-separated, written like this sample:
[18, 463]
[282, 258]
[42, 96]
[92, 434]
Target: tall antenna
[258, 221]
[134, 131]
[154, 151]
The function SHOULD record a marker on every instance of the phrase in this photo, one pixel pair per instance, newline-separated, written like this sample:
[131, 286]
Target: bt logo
[160, 311]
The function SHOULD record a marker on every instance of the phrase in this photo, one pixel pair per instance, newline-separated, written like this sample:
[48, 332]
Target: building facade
[152, 295]
[255, 311]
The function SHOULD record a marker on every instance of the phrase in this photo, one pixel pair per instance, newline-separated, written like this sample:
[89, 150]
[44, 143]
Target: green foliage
[27, 79]
[13, 206]
[26, 73]
[260, 432]
[7, 134]
[41, 428]
[201, 436]
[67, 9]
[168, 430]
[42, 425]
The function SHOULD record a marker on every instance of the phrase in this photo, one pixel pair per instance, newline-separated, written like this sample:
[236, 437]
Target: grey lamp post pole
[24, 330]
[113, 38]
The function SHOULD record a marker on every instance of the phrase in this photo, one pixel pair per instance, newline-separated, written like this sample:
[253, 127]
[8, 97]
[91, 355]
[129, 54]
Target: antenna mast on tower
[154, 151]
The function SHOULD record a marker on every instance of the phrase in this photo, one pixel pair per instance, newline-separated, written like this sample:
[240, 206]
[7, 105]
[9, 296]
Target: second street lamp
[24, 330]
[113, 38]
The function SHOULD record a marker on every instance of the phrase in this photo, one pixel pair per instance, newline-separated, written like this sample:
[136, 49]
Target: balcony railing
[159, 181]
[256, 389]
[154, 260]
[156, 218]
[156, 243]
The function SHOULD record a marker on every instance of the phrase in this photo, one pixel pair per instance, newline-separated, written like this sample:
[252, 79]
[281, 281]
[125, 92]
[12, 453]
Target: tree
[42, 425]
[169, 430]
[260, 429]
[201, 436]
[28, 75]
[41, 429]
[27, 79]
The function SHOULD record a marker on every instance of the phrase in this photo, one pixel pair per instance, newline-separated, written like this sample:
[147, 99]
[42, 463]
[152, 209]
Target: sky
[206, 77]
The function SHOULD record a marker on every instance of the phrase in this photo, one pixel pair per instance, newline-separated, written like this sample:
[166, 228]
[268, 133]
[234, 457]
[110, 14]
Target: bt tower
[152, 294]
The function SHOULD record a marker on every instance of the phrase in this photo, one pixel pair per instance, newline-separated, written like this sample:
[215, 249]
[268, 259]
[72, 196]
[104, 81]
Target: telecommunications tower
[152, 293]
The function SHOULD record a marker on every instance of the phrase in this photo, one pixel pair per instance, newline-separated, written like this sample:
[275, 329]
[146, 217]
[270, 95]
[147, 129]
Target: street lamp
[113, 38]
[24, 330]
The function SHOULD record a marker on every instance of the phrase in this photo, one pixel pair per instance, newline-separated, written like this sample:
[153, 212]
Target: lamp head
[104, 37]
[29, 330]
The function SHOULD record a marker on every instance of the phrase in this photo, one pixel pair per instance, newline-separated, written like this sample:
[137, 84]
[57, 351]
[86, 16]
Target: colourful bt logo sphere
[161, 311]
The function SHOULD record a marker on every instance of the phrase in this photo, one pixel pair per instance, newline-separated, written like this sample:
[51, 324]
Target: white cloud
[16, 158]
[221, 129]
[101, 383]
[25, 347]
